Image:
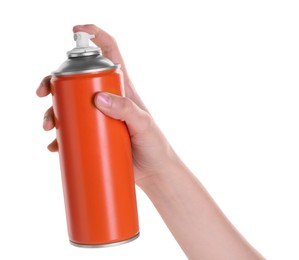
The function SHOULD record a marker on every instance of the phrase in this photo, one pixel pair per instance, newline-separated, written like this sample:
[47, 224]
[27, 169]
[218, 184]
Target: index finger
[44, 88]
[111, 51]
[107, 44]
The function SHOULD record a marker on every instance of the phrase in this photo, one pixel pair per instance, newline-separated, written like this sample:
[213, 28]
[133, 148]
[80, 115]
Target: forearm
[193, 217]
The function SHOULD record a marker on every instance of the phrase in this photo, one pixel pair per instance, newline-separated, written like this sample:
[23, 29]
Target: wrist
[166, 173]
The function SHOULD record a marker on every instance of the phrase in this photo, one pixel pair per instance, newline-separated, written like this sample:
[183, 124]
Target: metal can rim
[66, 73]
[108, 244]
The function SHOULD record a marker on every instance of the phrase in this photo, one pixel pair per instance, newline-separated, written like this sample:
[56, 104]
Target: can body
[95, 160]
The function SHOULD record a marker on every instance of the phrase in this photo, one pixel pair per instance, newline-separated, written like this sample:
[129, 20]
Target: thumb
[124, 109]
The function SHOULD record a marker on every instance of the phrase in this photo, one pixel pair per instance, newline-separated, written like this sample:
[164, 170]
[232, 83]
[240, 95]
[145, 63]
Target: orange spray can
[94, 150]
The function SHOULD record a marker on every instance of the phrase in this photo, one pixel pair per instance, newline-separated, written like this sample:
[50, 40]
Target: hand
[191, 214]
[150, 149]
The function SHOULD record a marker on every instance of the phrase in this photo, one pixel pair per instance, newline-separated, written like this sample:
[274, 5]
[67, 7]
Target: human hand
[151, 151]
[191, 214]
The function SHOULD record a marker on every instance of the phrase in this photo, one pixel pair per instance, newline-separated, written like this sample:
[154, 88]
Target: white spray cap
[82, 46]
[82, 38]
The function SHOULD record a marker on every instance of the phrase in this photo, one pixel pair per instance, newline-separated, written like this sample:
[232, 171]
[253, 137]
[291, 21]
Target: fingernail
[103, 100]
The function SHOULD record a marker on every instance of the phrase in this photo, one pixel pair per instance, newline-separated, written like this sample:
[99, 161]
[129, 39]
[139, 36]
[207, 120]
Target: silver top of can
[84, 58]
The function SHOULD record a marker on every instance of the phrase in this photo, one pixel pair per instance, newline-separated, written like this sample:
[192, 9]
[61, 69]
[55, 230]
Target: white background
[219, 77]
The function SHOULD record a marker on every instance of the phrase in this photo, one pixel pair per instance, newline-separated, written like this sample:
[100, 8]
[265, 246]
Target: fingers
[44, 88]
[110, 50]
[48, 122]
[53, 147]
[107, 44]
[137, 120]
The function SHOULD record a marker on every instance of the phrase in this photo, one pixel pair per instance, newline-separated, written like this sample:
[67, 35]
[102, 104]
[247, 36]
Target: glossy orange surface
[95, 159]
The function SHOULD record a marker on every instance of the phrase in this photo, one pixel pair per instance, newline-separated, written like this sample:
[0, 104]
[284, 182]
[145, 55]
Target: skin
[195, 220]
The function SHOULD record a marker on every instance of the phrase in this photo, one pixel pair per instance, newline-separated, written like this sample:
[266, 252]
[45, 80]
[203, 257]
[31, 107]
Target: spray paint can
[94, 150]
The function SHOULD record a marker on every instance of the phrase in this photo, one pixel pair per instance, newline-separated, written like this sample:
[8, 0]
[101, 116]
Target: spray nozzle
[82, 46]
[82, 38]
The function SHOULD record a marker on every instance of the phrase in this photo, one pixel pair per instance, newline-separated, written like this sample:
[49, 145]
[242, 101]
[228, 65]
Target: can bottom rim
[105, 245]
